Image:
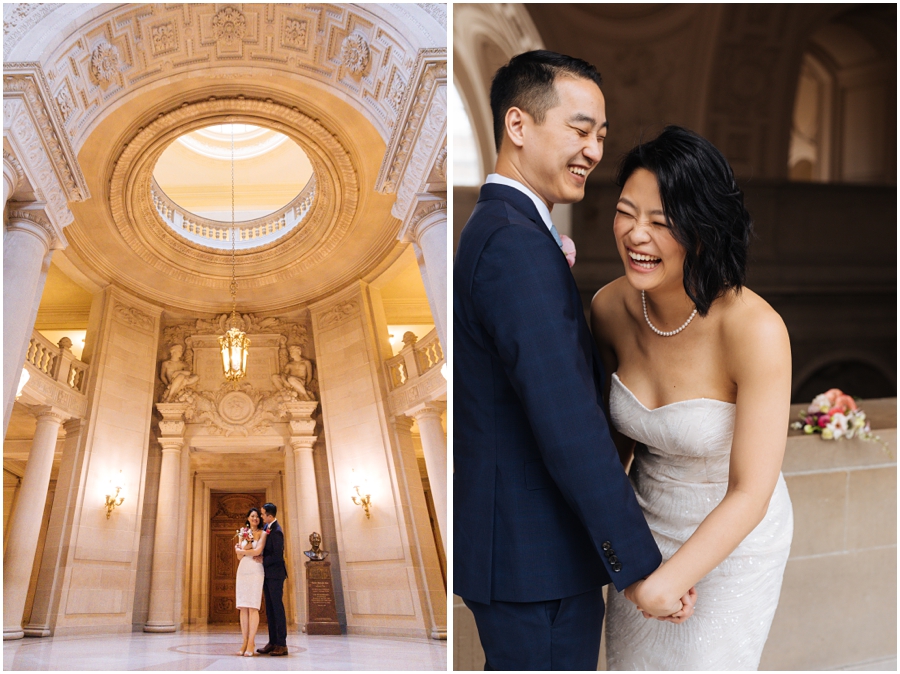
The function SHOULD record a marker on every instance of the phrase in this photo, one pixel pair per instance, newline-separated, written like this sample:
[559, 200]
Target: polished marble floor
[207, 649]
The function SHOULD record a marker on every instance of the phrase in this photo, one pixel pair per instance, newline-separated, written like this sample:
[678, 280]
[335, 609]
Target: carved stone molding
[415, 144]
[427, 388]
[133, 317]
[22, 18]
[39, 224]
[104, 63]
[308, 245]
[155, 41]
[245, 411]
[229, 25]
[15, 168]
[355, 53]
[437, 10]
[337, 314]
[419, 223]
[43, 390]
[27, 82]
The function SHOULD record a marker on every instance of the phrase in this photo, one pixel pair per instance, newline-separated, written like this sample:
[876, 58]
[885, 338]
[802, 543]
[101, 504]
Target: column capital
[171, 427]
[303, 443]
[430, 410]
[49, 413]
[429, 211]
[171, 444]
[30, 218]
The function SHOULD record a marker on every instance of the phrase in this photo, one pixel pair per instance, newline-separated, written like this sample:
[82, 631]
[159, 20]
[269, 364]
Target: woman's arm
[759, 356]
[250, 552]
[601, 307]
[262, 543]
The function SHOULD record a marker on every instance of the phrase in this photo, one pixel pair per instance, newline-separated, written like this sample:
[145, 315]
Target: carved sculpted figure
[296, 374]
[175, 374]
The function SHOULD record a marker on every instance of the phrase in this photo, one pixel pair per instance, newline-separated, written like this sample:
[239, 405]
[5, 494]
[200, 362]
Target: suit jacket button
[613, 560]
[617, 567]
[606, 545]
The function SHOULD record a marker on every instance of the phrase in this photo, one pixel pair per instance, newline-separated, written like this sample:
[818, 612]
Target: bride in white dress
[249, 582]
[699, 372]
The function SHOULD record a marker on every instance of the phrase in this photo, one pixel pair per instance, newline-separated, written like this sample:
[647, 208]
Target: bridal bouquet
[835, 415]
[244, 534]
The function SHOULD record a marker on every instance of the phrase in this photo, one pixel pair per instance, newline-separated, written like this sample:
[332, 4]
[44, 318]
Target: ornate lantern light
[234, 344]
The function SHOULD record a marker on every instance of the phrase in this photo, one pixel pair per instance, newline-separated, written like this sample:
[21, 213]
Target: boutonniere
[568, 249]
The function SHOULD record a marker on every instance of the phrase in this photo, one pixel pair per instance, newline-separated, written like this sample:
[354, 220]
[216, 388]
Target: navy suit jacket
[273, 553]
[542, 506]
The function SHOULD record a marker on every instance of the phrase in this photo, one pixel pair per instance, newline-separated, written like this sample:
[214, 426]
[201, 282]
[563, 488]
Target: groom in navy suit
[544, 515]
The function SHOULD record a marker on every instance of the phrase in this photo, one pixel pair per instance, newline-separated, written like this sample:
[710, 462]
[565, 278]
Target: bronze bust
[315, 554]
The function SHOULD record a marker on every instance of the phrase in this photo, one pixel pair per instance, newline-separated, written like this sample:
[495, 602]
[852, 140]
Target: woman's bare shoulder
[610, 298]
[753, 330]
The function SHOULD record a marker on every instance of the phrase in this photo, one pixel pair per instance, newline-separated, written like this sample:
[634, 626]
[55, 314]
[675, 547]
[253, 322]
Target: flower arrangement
[244, 534]
[836, 415]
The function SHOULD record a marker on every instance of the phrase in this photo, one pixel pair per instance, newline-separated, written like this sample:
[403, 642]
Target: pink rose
[568, 248]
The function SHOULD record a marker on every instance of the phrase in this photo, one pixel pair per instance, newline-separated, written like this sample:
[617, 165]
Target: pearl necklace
[657, 330]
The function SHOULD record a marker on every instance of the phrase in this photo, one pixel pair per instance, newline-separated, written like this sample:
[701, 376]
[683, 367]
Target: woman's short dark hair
[258, 512]
[703, 206]
[528, 82]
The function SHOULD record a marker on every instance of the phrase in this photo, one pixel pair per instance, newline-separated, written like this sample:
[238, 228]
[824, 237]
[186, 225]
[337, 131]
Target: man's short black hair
[527, 81]
[271, 509]
[704, 208]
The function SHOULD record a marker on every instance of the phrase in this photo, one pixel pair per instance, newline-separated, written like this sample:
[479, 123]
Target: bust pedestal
[320, 607]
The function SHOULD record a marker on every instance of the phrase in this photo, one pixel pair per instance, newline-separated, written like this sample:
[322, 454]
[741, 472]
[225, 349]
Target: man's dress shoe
[268, 648]
[279, 650]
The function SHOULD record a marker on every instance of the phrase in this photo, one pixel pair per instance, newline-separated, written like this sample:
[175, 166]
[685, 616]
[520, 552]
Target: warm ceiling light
[234, 344]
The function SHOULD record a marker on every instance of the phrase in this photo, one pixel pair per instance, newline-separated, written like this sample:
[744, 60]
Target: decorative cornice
[27, 80]
[430, 71]
[21, 18]
[159, 41]
[437, 10]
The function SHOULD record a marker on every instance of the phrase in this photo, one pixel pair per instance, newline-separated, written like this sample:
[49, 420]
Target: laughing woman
[701, 379]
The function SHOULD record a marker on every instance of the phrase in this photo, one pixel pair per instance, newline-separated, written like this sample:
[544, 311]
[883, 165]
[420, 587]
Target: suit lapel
[521, 202]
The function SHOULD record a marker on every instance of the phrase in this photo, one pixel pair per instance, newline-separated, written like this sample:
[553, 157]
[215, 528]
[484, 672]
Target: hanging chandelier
[234, 344]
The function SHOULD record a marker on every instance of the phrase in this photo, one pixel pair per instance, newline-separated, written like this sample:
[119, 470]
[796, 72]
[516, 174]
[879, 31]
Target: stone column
[429, 231]
[302, 441]
[26, 244]
[434, 446]
[53, 562]
[18, 565]
[161, 614]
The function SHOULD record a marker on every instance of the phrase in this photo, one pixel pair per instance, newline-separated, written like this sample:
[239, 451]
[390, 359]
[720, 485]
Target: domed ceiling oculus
[274, 185]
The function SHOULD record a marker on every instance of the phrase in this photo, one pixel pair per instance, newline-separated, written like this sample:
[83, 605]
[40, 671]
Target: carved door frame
[196, 587]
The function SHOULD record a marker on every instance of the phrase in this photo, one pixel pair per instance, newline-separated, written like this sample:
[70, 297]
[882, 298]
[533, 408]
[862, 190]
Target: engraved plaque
[321, 609]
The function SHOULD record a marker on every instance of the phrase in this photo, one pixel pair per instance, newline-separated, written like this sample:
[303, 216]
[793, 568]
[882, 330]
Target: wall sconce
[114, 500]
[364, 500]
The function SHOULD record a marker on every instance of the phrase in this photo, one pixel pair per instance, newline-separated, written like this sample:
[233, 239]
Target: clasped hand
[655, 604]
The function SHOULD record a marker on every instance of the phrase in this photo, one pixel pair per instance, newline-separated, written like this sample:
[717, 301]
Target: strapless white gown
[248, 586]
[679, 479]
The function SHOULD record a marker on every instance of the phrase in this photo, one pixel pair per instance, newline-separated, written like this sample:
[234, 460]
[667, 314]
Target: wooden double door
[228, 513]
